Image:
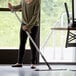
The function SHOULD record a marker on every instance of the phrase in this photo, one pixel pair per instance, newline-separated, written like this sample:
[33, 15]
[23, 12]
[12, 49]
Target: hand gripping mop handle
[34, 43]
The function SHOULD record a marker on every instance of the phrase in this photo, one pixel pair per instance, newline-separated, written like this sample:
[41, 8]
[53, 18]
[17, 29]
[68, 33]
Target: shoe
[17, 65]
[33, 66]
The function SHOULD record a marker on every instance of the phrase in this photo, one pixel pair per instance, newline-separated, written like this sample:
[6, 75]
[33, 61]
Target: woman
[30, 22]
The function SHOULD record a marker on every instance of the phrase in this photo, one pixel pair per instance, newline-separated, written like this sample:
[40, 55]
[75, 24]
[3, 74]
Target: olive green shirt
[30, 12]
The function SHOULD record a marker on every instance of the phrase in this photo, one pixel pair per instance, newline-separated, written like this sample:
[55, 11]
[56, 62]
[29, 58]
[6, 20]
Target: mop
[38, 50]
[49, 68]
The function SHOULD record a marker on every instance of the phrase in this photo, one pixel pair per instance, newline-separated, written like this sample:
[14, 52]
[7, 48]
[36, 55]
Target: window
[9, 26]
[53, 15]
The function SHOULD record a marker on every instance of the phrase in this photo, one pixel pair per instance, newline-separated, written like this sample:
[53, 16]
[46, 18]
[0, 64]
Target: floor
[57, 70]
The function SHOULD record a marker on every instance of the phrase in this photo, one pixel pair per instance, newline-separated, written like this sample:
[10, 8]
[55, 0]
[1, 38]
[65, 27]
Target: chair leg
[67, 38]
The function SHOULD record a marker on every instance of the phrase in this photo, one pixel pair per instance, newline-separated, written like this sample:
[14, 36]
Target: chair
[70, 35]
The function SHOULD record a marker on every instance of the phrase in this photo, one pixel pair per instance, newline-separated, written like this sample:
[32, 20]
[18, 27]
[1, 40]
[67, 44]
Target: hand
[24, 27]
[9, 6]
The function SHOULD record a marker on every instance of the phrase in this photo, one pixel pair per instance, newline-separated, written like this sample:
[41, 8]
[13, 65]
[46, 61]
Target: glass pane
[9, 30]
[53, 15]
[4, 3]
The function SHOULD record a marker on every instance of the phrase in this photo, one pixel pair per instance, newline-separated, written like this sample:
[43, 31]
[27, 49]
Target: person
[30, 22]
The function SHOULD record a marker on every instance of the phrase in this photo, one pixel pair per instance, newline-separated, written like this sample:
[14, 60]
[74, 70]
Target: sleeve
[35, 16]
[17, 7]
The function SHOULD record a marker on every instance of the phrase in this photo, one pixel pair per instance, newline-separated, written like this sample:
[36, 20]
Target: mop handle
[17, 17]
[38, 50]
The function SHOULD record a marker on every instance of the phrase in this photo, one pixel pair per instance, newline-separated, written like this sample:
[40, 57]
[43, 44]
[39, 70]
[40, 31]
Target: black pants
[23, 39]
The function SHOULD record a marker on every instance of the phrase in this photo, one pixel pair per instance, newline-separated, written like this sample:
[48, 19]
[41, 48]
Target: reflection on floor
[7, 70]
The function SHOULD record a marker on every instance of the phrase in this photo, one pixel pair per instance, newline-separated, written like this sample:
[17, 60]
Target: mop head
[50, 69]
